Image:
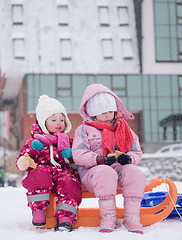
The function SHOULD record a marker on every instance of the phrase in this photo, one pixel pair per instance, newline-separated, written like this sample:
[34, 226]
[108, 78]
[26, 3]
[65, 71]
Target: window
[165, 150]
[179, 148]
[179, 23]
[19, 48]
[107, 48]
[63, 15]
[123, 16]
[168, 30]
[65, 48]
[180, 48]
[17, 14]
[104, 16]
[127, 49]
[179, 13]
[180, 85]
[63, 86]
[119, 86]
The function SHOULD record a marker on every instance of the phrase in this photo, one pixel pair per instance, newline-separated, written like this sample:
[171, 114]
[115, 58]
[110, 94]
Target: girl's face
[106, 117]
[55, 123]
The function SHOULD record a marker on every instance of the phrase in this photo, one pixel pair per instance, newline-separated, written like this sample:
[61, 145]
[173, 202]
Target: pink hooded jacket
[87, 142]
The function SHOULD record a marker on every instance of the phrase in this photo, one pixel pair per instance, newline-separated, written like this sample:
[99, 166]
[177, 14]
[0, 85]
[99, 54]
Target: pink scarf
[61, 139]
[119, 135]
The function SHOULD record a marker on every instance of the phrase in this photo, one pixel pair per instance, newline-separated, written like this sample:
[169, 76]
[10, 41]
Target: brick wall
[136, 124]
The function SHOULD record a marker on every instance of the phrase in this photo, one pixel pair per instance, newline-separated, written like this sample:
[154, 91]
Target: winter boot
[39, 218]
[108, 214]
[132, 215]
[64, 224]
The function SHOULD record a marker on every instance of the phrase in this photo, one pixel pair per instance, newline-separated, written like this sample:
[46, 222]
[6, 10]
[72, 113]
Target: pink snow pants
[46, 179]
[103, 180]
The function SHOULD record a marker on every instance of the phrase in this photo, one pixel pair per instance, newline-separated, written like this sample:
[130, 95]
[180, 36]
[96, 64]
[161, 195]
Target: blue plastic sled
[151, 199]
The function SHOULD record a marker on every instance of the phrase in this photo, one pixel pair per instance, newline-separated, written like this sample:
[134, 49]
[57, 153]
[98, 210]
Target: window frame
[16, 48]
[13, 11]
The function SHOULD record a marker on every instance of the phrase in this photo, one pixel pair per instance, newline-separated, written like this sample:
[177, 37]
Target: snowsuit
[103, 180]
[46, 178]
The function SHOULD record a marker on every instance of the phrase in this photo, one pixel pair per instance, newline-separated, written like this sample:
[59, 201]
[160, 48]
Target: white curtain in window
[65, 47]
[17, 13]
[63, 16]
[104, 15]
[107, 47]
[127, 48]
[19, 48]
[123, 16]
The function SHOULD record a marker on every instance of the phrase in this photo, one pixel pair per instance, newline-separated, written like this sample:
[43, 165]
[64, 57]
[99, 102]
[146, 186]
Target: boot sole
[64, 227]
[135, 230]
[39, 224]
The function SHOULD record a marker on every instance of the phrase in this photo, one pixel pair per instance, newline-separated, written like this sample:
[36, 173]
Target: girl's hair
[114, 121]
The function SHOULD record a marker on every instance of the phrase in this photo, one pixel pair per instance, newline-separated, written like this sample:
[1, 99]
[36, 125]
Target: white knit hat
[101, 103]
[47, 107]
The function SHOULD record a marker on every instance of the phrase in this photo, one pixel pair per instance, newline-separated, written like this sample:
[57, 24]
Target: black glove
[124, 159]
[104, 159]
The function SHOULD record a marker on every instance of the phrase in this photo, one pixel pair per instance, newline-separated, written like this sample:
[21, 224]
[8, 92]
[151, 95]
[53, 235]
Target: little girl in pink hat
[106, 151]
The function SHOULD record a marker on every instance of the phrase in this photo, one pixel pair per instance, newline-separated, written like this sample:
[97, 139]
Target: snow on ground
[15, 223]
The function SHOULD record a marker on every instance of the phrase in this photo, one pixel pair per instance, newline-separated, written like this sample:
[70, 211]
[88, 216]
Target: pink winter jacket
[87, 142]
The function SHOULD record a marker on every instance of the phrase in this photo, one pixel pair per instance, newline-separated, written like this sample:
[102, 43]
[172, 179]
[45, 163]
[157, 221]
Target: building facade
[60, 47]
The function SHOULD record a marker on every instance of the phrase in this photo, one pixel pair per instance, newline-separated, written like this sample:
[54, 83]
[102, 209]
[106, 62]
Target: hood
[93, 89]
[36, 128]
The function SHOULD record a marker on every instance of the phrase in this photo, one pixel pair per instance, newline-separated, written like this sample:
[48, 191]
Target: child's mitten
[37, 145]
[67, 153]
[25, 162]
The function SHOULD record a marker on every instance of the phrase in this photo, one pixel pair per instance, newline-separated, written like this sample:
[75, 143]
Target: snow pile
[163, 165]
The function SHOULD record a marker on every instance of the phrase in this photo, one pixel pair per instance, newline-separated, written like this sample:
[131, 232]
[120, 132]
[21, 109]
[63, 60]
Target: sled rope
[171, 199]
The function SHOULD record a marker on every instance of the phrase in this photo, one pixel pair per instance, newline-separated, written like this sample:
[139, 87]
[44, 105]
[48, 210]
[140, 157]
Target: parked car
[173, 148]
[166, 151]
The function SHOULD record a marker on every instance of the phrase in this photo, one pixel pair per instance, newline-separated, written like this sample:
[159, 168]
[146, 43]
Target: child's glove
[124, 159]
[37, 145]
[105, 159]
[25, 162]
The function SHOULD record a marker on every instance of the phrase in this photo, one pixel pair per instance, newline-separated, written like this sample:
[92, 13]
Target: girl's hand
[124, 159]
[105, 159]
[121, 157]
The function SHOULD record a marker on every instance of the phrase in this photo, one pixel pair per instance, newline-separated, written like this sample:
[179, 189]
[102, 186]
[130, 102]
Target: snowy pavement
[15, 223]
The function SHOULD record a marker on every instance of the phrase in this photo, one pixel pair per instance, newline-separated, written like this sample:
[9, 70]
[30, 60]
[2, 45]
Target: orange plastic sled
[90, 217]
